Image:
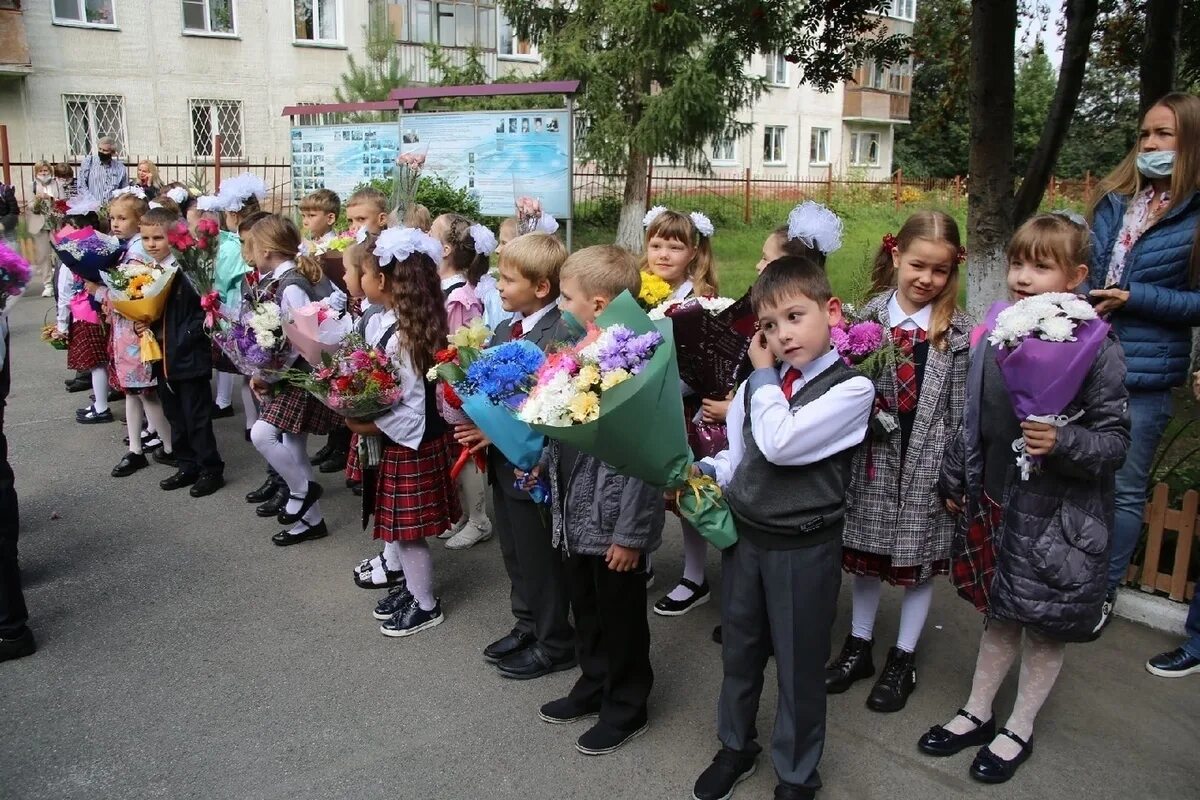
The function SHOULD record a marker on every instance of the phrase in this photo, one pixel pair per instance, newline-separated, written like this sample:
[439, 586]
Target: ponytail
[883, 268]
[310, 268]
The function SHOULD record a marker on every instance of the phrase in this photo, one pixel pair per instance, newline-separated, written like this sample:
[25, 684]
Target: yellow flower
[584, 407]
[614, 378]
[588, 377]
[473, 336]
[654, 290]
[137, 284]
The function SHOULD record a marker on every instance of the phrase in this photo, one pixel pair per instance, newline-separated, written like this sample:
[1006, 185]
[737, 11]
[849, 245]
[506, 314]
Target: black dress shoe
[602, 738]
[221, 413]
[532, 662]
[130, 464]
[274, 504]
[356, 489]
[852, 664]
[335, 462]
[896, 682]
[727, 770]
[505, 646]
[161, 456]
[311, 495]
[567, 710]
[318, 531]
[716, 634]
[178, 480]
[666, 607]
[790, 791]
[208, 483]
[78, 384]
[991, 768]
[940, 742]
[264, 492]
[321, 455]
[19, 646]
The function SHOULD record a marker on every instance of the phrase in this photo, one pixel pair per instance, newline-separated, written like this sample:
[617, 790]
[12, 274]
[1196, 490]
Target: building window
[904, 9]
[897, 76]
[773, 142]
[208, 16]
[864, 149]
[85, 12]
[818, 146]
[210, 117]
[776, 71]
[874, 75]
[318, 21]
[447, 24]
[91, 117]
[724, 151]
[508, 45]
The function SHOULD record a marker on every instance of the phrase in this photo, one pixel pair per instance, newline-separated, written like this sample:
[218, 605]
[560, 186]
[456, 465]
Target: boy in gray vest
[793, 428]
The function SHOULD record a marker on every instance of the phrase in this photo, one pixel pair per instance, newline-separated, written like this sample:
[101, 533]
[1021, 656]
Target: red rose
[450, 396]
[446, 356]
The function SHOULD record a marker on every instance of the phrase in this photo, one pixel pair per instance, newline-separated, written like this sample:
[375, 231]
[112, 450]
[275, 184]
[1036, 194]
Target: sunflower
[137, 285]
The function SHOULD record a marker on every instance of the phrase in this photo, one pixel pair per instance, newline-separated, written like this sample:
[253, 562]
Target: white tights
[418, 571]
[249, 406]
[914, 610]
[134, 405]
[100, 390]
[288, 454]
[224, 389]
[695, 551]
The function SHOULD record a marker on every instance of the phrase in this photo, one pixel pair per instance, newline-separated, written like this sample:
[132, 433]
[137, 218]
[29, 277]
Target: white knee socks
[133, 422]
[418, 569]
[100, 390]
[224, 389]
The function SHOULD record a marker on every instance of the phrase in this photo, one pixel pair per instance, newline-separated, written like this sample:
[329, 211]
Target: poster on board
[497, 155]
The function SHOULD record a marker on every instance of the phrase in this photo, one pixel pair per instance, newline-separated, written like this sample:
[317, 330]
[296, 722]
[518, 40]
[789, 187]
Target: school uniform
[785, 475]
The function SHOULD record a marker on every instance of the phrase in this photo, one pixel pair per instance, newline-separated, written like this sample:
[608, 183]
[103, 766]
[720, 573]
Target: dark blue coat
[1155, 325]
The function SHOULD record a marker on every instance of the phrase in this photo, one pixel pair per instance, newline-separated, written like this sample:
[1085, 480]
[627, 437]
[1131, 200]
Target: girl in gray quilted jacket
[1030, 554]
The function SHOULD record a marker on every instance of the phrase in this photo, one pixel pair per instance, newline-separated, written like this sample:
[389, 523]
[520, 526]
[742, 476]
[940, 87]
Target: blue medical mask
[1157, 163]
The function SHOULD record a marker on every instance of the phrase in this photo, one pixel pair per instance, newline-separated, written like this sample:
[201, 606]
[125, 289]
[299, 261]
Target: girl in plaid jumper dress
[896, 531]
[413, 495]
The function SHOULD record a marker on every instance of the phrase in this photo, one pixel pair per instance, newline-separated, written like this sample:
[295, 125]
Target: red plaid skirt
[973, 554]
[294, 410]
[353, 470]
[87, 346]
[877, 565]
[415, 497]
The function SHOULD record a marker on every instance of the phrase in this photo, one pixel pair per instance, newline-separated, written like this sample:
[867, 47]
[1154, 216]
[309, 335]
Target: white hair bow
[703, 224]
[484, 239]
[179, 195]
[136, 191]
[816, 226]
[240, 188]
[208, 202]
[82, 205]
[654, 213]
[400, 243]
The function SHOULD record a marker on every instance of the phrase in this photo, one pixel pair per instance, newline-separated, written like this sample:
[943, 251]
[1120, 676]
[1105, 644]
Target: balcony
[14, 48]
[875, 105]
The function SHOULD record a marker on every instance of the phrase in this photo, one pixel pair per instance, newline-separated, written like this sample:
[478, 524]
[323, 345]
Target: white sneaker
[48, 291]
[469, 536]
[453, 529]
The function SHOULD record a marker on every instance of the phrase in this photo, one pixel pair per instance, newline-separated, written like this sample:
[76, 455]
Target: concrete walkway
[183, 656]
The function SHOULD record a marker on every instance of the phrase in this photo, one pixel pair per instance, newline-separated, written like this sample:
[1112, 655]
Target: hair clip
[889, 241]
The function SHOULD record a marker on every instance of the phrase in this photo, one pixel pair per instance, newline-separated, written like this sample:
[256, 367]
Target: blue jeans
[1192, 645]
[1149, 413]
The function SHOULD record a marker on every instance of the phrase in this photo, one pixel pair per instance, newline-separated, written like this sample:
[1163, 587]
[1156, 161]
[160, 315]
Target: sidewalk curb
[1151, 610]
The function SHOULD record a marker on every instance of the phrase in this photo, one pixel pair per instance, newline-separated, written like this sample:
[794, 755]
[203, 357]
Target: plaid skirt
[415, 497]
[973, 554]
[294, 410]
[353, 470]
[87, 346]
[877, 565]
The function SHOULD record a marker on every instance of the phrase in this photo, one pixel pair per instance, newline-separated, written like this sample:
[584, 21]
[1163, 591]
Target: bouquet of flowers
[405, 178]
[139, 293]
[52, 336]
[654, 291]
[1045, 346]
[14, 276]
[530, 216]
[314, 330]
[334, 244]
[86, 252]
[861, 343]
[355, 380]
[54, 211]
[254, 343]
[197, 255]
[465, 347]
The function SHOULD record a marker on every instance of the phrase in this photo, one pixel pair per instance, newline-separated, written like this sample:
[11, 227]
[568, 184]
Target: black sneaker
[130, 464]
[221, 413]
[18, 647]
[896, 682]
[397, 598]
[567, 710]
[602, 739]
[852, 664]
[413, 619]
[1178, 663]
[727, 770]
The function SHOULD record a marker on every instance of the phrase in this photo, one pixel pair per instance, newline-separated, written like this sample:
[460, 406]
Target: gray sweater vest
[785, 507]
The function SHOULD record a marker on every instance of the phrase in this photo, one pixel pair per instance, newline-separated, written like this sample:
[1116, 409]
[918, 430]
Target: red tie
[907, 390]
[517, 330]
[789, 380]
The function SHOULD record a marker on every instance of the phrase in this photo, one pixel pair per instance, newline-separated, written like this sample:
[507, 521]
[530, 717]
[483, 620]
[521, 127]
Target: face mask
[45, 178]
[105, 158]
[1157, 163]
[575, 329]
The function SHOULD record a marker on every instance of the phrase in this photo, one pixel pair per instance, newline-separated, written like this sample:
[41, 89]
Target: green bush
[436, 194]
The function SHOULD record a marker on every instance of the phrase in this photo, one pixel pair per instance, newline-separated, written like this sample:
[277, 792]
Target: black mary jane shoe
[130, 464]
[666, 607]
[264, 492]
[362, 579]
[273, 504]
[940, 742]
[991, 768]
[311, 495]
[318, 531]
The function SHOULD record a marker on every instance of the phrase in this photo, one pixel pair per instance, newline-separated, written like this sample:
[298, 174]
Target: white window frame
[904, 9]
[339, 17]
[82, 22]
[92, 127]
[725, 143]
[819, 140]
[774, 62]
[780, 145]
[857, 141]
[502, 21]
[213, 104]
[207, 29]
[484, 16]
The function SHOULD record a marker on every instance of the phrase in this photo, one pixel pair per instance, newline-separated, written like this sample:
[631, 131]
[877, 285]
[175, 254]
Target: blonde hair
[418, 216]
[930, 226]
[136, 205]
[537, 257]
[1051, 238]
[508, 224]
[369, 196]
[324, 200]
[276, 234]
[679, 227]
[604, 270]
[42, 165]
[152, 168]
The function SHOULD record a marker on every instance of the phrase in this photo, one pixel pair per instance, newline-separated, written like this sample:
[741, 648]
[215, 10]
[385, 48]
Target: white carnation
[1057, 329]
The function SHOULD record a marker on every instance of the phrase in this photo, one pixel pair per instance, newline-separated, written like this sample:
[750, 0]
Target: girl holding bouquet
[896, 530]
[679, 250]
[289, 414]
[1031, 547]
[414, 496]
[87, 343]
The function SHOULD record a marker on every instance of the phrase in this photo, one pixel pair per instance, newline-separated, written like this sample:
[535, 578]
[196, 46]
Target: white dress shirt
[909, 322]
[681, 292]
[405, 423]
[833, 422]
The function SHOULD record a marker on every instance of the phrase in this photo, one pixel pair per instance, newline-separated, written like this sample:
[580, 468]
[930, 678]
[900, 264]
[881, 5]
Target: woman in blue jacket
[1144, 278]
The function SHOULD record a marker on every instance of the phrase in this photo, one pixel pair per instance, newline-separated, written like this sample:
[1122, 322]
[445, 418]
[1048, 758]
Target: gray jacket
[595, 507]
[1052, 546]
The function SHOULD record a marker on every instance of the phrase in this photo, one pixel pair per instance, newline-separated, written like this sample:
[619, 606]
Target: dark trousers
[13, 613]
[339, 438]
[788, 599]
[188, 406]
[536, 572]
[612, 638]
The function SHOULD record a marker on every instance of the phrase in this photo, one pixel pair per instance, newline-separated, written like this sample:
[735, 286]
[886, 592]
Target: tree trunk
[1081, 22]
[990, 184]
[633, 202]
[1160, 50]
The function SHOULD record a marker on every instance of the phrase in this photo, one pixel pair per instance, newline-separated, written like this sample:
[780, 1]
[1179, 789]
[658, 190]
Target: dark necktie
[517, 330]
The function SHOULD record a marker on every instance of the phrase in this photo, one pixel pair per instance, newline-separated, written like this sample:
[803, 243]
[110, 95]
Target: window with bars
[773, 144]
[85, 12]
[450, 24]
[208, 16]
[776, 71]
[818, 146]
[864, 149]
[91, 117]
[318, 21]
[210, 117]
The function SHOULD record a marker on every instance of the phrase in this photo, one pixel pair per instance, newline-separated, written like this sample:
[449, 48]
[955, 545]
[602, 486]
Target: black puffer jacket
[187, 350]
[1052, 547]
